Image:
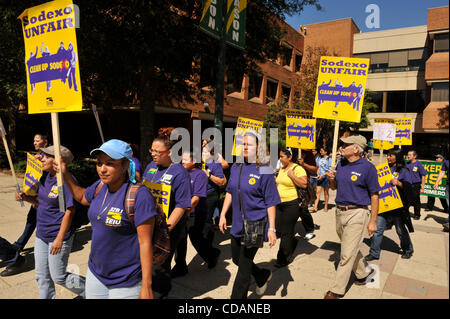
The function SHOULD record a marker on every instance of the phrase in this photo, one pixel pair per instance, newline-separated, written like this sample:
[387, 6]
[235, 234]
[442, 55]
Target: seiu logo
[114, 217]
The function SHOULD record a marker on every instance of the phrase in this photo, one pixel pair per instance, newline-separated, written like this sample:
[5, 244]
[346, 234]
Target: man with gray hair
[356, 181]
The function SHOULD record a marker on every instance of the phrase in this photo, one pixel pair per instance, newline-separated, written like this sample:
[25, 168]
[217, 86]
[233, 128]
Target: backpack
[161, 237]
[305, 195]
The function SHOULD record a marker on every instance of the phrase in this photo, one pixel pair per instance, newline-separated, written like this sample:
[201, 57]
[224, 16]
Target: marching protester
[137, 162]
[198, 214]
[356, 181]
[162, 170]
[444, 170]
[417, 175]
[431, 199]
[252, 193]
[15, 264]
[324, 163]
[120, 261]
[399, 217]
[54, 234]
[290, 177]
[308, 162]
[313, 176]
[218, 156]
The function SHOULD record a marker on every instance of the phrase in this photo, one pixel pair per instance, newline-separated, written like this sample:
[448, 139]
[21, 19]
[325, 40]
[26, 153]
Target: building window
[272, 86]
[439, 92]
[286, 55]
[406, 101]
[254, 86]
[377, 98]
[233, 81]
[398, 58]
[441, 42]
[298, 61]
[285, 91]
[396, 61]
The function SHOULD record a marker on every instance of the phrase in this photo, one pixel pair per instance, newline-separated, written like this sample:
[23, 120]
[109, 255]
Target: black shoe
[370, 258]
[407, 255]
[362, 281]
[15, 269]
[445, 227]
[214, 261]
[416, 217]
[179, 271]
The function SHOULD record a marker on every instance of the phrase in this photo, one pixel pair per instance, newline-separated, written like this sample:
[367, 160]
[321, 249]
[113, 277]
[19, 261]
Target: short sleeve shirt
[324, 165]
[199, 183]
[258, 191]
[416, 171]
[356, 181]
[286, 187]
[177, 177]
[445, 169]
[48, 215]
[216, 170]
[115, 256]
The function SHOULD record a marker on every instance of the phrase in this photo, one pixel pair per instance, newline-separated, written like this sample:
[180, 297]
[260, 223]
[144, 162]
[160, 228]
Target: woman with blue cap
[120, 261]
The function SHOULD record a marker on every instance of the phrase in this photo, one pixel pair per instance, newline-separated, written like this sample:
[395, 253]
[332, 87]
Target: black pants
[431, 200]
[202, 245]
[307, 220]
[162, 281]
[243, 258]
[286, 218]
[415, 199]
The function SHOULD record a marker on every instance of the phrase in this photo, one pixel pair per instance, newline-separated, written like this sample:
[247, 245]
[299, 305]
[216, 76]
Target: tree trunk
[147, 117]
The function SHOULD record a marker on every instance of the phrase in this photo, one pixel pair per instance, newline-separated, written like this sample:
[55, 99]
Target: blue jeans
[51, 269]
[402, 232]
[95, 289]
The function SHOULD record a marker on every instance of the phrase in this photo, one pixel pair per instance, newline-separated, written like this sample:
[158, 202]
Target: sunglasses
[155, 152]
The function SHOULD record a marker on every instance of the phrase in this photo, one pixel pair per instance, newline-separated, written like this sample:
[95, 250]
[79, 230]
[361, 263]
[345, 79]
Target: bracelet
[272, 229]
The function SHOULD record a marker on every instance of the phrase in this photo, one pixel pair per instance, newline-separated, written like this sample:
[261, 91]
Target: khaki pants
[351, 228]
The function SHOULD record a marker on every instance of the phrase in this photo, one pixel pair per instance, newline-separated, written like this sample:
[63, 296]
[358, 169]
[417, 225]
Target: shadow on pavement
[82, 237]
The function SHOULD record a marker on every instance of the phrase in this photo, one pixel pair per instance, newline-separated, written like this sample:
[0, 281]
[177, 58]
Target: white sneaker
[261, 290]
[309, 236]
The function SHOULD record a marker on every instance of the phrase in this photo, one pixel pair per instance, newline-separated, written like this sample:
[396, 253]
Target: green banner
[211, 20]
[433, 169]
[236, 22]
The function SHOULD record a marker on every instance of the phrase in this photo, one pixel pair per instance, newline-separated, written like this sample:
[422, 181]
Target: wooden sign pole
[5, 143]
[57, 148]
[335, 142]
[97, 119]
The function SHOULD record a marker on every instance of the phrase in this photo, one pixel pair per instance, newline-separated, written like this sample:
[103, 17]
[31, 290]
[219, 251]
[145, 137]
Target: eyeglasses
[157, 152]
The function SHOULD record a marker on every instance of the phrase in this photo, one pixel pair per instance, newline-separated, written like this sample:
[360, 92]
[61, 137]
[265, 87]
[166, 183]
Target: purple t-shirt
[199, 183]
[177, 177]
[416, 171]
[355, 182]
[216, 170]
[115, 256]
[49, 217]
[137, 164]
[258, 191]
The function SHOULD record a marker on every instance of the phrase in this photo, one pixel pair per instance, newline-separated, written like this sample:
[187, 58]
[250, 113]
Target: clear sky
[394, 14]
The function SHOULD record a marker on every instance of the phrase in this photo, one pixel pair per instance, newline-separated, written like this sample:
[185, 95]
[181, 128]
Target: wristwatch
[272, 229]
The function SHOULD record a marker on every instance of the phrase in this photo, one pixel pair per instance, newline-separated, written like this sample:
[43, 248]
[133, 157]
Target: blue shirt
[216, 170]
[48, 215]
[324, 165]
[115, 256]
[177, 177]
[416, 171]
[199, 183]
[356, 181]
[258, 191]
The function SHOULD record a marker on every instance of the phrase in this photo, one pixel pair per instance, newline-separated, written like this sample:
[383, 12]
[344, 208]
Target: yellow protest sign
[32, 175]
[389, 199]
[300, 129]
[383, 145]
[340, 88]
[51, 57]
[244, 125]
[403, 134]
[161, 193]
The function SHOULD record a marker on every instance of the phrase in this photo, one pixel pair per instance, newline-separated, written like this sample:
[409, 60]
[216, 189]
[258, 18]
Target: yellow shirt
[285, 185]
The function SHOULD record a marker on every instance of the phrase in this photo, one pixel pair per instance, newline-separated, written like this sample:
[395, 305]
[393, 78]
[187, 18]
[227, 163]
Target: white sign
[384, 132]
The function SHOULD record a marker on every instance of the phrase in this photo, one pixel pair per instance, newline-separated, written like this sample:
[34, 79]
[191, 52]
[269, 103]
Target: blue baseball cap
[116, 149]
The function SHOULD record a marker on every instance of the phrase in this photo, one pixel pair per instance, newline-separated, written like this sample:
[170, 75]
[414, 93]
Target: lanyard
[104, 209]
[162, 177]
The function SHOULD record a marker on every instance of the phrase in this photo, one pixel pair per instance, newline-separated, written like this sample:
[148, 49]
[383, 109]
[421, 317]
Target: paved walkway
[309, 276]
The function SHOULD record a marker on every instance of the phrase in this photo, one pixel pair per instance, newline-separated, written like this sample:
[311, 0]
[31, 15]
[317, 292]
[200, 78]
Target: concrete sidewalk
[309, 276]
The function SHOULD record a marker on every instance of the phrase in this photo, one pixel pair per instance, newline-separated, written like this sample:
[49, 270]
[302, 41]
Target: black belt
[344, 208]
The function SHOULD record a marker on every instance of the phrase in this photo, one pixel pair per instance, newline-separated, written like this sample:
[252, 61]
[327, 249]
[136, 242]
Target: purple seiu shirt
[199, 183]
[416, 171]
